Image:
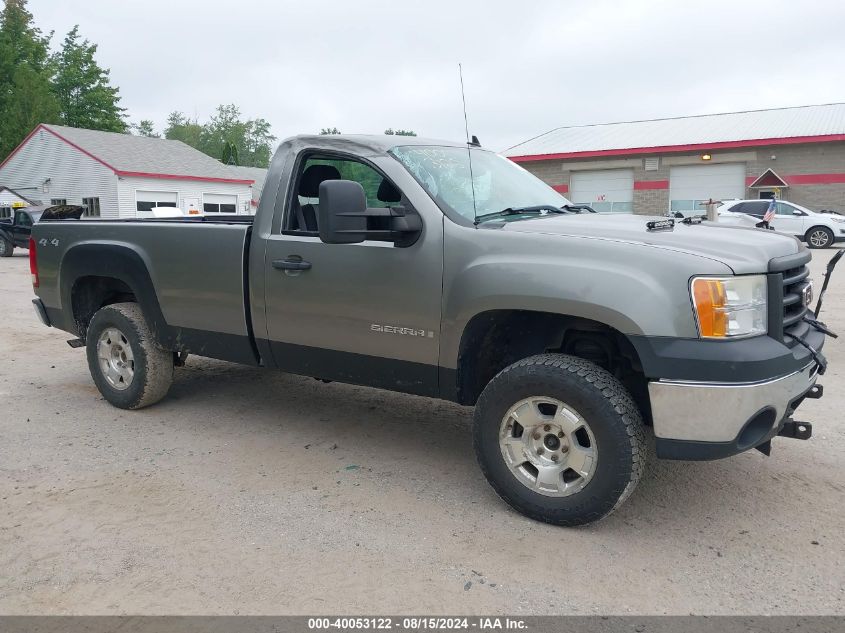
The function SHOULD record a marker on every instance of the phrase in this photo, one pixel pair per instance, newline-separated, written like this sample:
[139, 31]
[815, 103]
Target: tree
[144, 127]
[391, 131]
[251, 139]
[329, 130]
[226, 136]
[26, 98]
[85, 96]
[180, 128]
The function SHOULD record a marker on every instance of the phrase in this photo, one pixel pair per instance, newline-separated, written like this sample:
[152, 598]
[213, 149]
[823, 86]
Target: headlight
[728, 307]
[838, 219]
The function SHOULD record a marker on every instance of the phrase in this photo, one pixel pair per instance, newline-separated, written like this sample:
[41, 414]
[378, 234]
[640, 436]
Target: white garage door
[691, 185]
[219, 203]
[607, 190]
[147, 200]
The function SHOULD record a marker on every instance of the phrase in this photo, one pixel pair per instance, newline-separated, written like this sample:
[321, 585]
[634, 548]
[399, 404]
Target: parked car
[15, 231]
[818, 230]
[447, 271]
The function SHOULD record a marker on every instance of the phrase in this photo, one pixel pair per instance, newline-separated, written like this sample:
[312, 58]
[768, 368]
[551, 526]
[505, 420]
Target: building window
[92, 207]
[696, 207]
[610, 207]
[57, 201]
[217, 207]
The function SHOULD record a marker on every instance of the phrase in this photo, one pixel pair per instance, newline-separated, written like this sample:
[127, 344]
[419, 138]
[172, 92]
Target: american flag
[770, 212]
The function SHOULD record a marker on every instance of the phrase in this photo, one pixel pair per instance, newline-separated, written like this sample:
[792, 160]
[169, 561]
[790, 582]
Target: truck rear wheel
[129, 368]
[559, 439]
[6, 247]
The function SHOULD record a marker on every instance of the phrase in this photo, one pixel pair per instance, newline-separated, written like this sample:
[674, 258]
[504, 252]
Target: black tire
[152, 365]
[6, 247]
[815, 237]
[603, 403]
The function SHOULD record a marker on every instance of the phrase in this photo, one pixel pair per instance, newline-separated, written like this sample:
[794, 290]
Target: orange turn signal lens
[710, 300]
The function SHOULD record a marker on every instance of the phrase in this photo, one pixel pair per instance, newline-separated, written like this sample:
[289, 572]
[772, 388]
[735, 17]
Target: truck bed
[195, 267]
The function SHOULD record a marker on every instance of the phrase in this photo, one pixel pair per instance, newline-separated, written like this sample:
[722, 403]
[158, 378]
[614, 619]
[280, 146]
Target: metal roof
[130, 155]
[813, 123]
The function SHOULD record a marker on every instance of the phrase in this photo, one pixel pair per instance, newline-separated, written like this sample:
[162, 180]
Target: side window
[756, 208]
[303, 209]
[23, 219]
[785, 209]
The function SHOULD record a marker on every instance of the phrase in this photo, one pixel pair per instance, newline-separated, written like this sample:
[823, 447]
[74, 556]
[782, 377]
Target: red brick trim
[640, 185]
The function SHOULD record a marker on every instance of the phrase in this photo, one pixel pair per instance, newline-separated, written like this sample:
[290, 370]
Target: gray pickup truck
[444, 270]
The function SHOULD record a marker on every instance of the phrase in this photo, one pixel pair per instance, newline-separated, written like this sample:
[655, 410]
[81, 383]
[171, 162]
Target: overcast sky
[529, 65]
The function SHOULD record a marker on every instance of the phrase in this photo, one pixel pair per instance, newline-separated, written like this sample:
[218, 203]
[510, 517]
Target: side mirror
[341, 218]
[797, 212]
[345, 219]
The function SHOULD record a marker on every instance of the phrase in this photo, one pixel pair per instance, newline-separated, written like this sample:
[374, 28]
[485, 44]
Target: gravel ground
[250, 491]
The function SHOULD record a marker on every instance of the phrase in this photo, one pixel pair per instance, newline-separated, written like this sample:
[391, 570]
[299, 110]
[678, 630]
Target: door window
[23, 219]
[303, 209]
[786, 209]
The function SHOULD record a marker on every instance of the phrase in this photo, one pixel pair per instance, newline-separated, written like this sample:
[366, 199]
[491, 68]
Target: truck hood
[744, 250]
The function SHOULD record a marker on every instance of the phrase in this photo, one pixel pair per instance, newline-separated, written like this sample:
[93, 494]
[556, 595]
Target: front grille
[794, 309]
[788, 276]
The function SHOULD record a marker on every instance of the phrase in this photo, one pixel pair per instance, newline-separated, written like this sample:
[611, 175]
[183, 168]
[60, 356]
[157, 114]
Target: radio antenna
[469, 152]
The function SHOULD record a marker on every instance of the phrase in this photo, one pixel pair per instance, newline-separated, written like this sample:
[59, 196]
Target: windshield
[500, 184]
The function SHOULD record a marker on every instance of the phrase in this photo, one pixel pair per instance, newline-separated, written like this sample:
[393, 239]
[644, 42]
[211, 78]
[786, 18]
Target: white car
[819, 230]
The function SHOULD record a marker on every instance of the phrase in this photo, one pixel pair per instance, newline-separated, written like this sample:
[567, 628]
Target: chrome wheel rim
[819, 238]
[117, 361]
[548, 446]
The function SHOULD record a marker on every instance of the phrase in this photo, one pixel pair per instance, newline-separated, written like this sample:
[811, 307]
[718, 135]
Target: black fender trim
[121, 262]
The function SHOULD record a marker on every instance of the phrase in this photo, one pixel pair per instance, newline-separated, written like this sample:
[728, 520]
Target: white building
[116, 175]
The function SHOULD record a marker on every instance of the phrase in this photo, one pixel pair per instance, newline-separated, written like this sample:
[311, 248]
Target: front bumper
[711, 420]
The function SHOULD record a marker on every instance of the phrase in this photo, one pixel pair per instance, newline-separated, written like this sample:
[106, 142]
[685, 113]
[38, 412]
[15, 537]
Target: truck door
[365, 313]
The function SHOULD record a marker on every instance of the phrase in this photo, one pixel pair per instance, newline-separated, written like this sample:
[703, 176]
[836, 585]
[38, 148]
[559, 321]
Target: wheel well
[498, 338]
[91, 293]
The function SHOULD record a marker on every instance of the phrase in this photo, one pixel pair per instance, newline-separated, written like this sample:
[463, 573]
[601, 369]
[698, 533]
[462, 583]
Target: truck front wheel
[559, 439]
[6, 247]
[128, 366]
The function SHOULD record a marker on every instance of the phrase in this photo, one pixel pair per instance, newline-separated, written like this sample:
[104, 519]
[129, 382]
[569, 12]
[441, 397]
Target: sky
[529, 66]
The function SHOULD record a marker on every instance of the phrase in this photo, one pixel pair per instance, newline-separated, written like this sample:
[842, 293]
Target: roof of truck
[373, 142]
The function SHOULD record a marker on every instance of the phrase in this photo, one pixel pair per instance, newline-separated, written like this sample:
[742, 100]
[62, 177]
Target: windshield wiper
[577, 208]
[539, 208]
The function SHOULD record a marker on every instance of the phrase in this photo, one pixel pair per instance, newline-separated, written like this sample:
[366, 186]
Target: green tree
[86, 97]
[391, 131]
[251, 139]
[329, 130]
[230, 154]
[144, 127]
[181, 128]
[26, 98]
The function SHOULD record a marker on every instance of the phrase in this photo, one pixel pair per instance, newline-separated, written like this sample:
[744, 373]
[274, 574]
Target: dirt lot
[248, 491]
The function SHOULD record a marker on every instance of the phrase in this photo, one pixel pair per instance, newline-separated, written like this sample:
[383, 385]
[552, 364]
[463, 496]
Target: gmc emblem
[807, 294]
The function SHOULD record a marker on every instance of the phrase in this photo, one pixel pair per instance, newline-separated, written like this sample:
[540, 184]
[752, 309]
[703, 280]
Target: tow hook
[815, 392]
[796, 430]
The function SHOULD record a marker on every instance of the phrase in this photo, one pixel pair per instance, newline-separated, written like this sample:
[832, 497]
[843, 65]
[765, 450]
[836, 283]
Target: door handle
[291, 263]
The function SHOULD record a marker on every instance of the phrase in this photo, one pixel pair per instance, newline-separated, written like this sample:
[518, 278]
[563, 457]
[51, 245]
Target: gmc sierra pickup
[444, 270]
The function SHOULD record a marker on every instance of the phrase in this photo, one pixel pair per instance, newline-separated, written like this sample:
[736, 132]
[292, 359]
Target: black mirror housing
[344, 218]
[341, 219]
